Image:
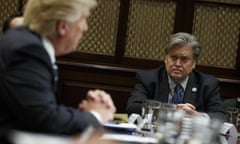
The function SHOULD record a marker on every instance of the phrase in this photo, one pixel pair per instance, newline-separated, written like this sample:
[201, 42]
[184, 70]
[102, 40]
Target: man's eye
[174, 58]
[184, 59]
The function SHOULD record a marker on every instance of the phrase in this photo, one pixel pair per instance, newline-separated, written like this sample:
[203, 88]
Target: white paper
[129, 138]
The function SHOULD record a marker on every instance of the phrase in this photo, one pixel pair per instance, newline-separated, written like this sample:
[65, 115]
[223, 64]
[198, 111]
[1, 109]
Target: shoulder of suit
[203, 77]
[23, 35]
[151, 71]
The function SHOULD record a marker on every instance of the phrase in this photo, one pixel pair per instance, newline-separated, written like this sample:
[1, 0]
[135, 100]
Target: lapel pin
[194, 89]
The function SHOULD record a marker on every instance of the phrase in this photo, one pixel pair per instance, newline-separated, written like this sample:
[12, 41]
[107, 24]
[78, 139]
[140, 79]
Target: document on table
[129, 138]
[121, 127]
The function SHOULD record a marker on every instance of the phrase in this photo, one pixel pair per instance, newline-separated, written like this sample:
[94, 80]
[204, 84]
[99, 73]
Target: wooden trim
[179, 16]
[233, 81]
[76, 66]
[230, 3]
[117, 79]
[141, 64]
[96, 66]
[220, 72]
[20, 5]
[238, 56]
[122, 31]
[88, 58]
[134, 65]
[184, 16]
[189, 16]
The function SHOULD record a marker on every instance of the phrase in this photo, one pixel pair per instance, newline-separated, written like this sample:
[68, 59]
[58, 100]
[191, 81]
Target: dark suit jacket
[27, 96]
[153, 84]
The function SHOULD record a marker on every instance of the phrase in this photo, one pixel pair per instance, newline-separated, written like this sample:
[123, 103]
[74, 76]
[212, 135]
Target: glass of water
[232, 115]
[150, 113]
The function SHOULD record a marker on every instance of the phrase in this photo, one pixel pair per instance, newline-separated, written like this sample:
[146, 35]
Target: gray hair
[184, 39]
[41, 16]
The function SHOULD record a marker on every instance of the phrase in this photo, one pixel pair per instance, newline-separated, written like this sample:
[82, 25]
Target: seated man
[178, 82]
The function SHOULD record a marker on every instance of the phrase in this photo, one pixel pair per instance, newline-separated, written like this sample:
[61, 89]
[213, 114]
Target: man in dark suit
[27, 71]
[198, 93]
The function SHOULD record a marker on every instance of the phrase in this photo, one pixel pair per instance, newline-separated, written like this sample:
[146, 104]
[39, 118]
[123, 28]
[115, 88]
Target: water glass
[232, 115]
[150, 112]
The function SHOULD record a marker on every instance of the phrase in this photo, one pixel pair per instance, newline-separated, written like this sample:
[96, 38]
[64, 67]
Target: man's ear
[194, 64]
[165, 59]
[62, 27]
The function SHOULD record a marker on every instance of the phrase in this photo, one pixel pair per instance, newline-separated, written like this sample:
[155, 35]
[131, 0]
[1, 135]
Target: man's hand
[189, 109]
[101, 102]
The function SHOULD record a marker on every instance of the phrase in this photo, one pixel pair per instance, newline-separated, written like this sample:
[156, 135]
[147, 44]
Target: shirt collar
[50, 49]
[172, 84]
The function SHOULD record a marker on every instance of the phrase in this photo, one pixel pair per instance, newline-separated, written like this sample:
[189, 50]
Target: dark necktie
[178, 94]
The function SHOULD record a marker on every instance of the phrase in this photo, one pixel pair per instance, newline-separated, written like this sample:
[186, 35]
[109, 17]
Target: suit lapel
[191, 91]
[163, 87]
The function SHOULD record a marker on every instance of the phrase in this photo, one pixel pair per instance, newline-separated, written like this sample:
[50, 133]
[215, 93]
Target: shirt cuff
[205, 115]
[97, 116]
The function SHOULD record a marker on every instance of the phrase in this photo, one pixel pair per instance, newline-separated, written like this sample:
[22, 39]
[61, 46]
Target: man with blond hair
[27, 71]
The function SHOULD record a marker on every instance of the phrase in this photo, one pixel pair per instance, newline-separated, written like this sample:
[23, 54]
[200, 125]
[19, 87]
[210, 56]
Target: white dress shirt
[51, 52]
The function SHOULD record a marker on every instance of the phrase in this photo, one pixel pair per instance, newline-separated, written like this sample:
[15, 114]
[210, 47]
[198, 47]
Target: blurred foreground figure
[28, 71]
[95, 136]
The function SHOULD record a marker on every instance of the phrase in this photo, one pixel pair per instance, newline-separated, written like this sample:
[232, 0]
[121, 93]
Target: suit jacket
[153, 84]
[27, 95]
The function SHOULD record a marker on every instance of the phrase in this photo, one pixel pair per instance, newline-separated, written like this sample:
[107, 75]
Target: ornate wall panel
[7, 8]
[217, 27]
[102, 32]
[150, 22]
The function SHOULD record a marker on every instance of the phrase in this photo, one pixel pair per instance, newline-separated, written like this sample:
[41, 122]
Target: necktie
[178, 94]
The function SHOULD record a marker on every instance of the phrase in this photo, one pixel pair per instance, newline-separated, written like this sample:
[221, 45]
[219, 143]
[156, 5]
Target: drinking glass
[150, 113]
[232, 116]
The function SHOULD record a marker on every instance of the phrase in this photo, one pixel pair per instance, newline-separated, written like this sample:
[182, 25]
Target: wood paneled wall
[77, 78]
[115, 72]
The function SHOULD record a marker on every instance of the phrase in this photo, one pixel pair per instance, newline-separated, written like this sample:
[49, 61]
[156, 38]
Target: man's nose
[178, 62]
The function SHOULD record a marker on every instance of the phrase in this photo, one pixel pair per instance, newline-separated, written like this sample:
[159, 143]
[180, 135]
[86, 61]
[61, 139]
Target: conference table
[106, 137]
[119, 131]
[125, 132]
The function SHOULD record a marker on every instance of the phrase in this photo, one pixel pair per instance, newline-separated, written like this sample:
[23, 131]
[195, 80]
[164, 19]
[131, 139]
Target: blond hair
[41, 16]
